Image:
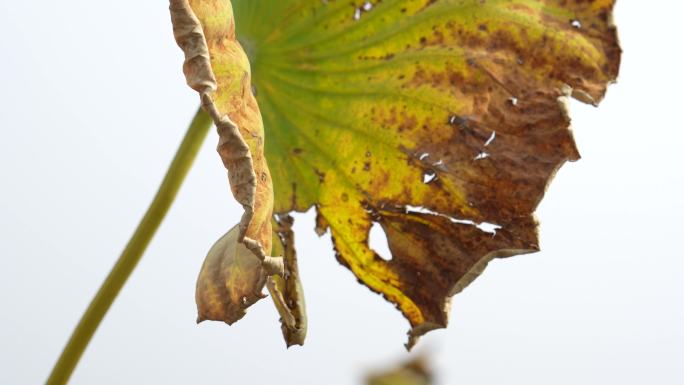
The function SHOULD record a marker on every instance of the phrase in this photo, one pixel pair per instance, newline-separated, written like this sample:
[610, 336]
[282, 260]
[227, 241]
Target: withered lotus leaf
[443, 121]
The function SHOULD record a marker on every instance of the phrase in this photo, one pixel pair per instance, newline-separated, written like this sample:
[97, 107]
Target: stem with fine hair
[100, 304]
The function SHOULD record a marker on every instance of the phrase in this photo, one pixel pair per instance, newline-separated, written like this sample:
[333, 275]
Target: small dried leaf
[230, 281]
[286, 290]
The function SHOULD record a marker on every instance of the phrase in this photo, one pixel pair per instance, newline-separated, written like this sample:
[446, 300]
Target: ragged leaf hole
[366, 7]
[491, 139]
[429, 176]
[486, 227]
[377, 241]
[481, 155]
[456, 120]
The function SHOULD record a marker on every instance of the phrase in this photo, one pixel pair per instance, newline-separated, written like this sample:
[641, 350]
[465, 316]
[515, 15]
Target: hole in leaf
[429, 176]
[357, 14]
[377, 241]
[482, 155]
[485, 227]
[488, 227]
[440, 166]
[491, 139]
[456, 120]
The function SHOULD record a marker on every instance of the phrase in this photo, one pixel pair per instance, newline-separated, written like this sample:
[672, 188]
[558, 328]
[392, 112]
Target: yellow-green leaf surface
[441, 120]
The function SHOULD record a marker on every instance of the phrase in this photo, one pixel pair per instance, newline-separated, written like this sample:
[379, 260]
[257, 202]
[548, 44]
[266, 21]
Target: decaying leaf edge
[566, 92]
[286, 291]
[189, 35]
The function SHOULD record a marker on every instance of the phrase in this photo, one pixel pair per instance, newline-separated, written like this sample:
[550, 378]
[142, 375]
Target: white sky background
[92, 107]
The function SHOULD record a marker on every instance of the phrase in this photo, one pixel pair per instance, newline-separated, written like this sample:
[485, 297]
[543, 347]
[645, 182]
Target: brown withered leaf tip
[286, 291]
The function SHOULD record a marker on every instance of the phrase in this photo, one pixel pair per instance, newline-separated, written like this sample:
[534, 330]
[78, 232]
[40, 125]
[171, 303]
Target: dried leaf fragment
[286, 290]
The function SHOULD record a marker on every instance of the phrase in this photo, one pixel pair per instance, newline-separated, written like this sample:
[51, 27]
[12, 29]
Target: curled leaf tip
[231, 280]
[235, 270]
[190, 37]
[233, 149]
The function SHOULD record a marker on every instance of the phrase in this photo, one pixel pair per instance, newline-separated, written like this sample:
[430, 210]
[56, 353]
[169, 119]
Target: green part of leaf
[441, 120]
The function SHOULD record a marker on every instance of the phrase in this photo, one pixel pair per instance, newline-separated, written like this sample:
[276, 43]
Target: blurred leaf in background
[414, 372]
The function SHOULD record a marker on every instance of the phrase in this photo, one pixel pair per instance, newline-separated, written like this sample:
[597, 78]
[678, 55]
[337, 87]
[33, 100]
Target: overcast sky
[92, 107]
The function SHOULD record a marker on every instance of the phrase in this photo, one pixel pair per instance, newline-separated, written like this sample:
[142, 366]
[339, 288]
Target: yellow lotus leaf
[442, 121]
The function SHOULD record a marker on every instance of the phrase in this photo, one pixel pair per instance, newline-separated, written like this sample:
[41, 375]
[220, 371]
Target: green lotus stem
[175, 175]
